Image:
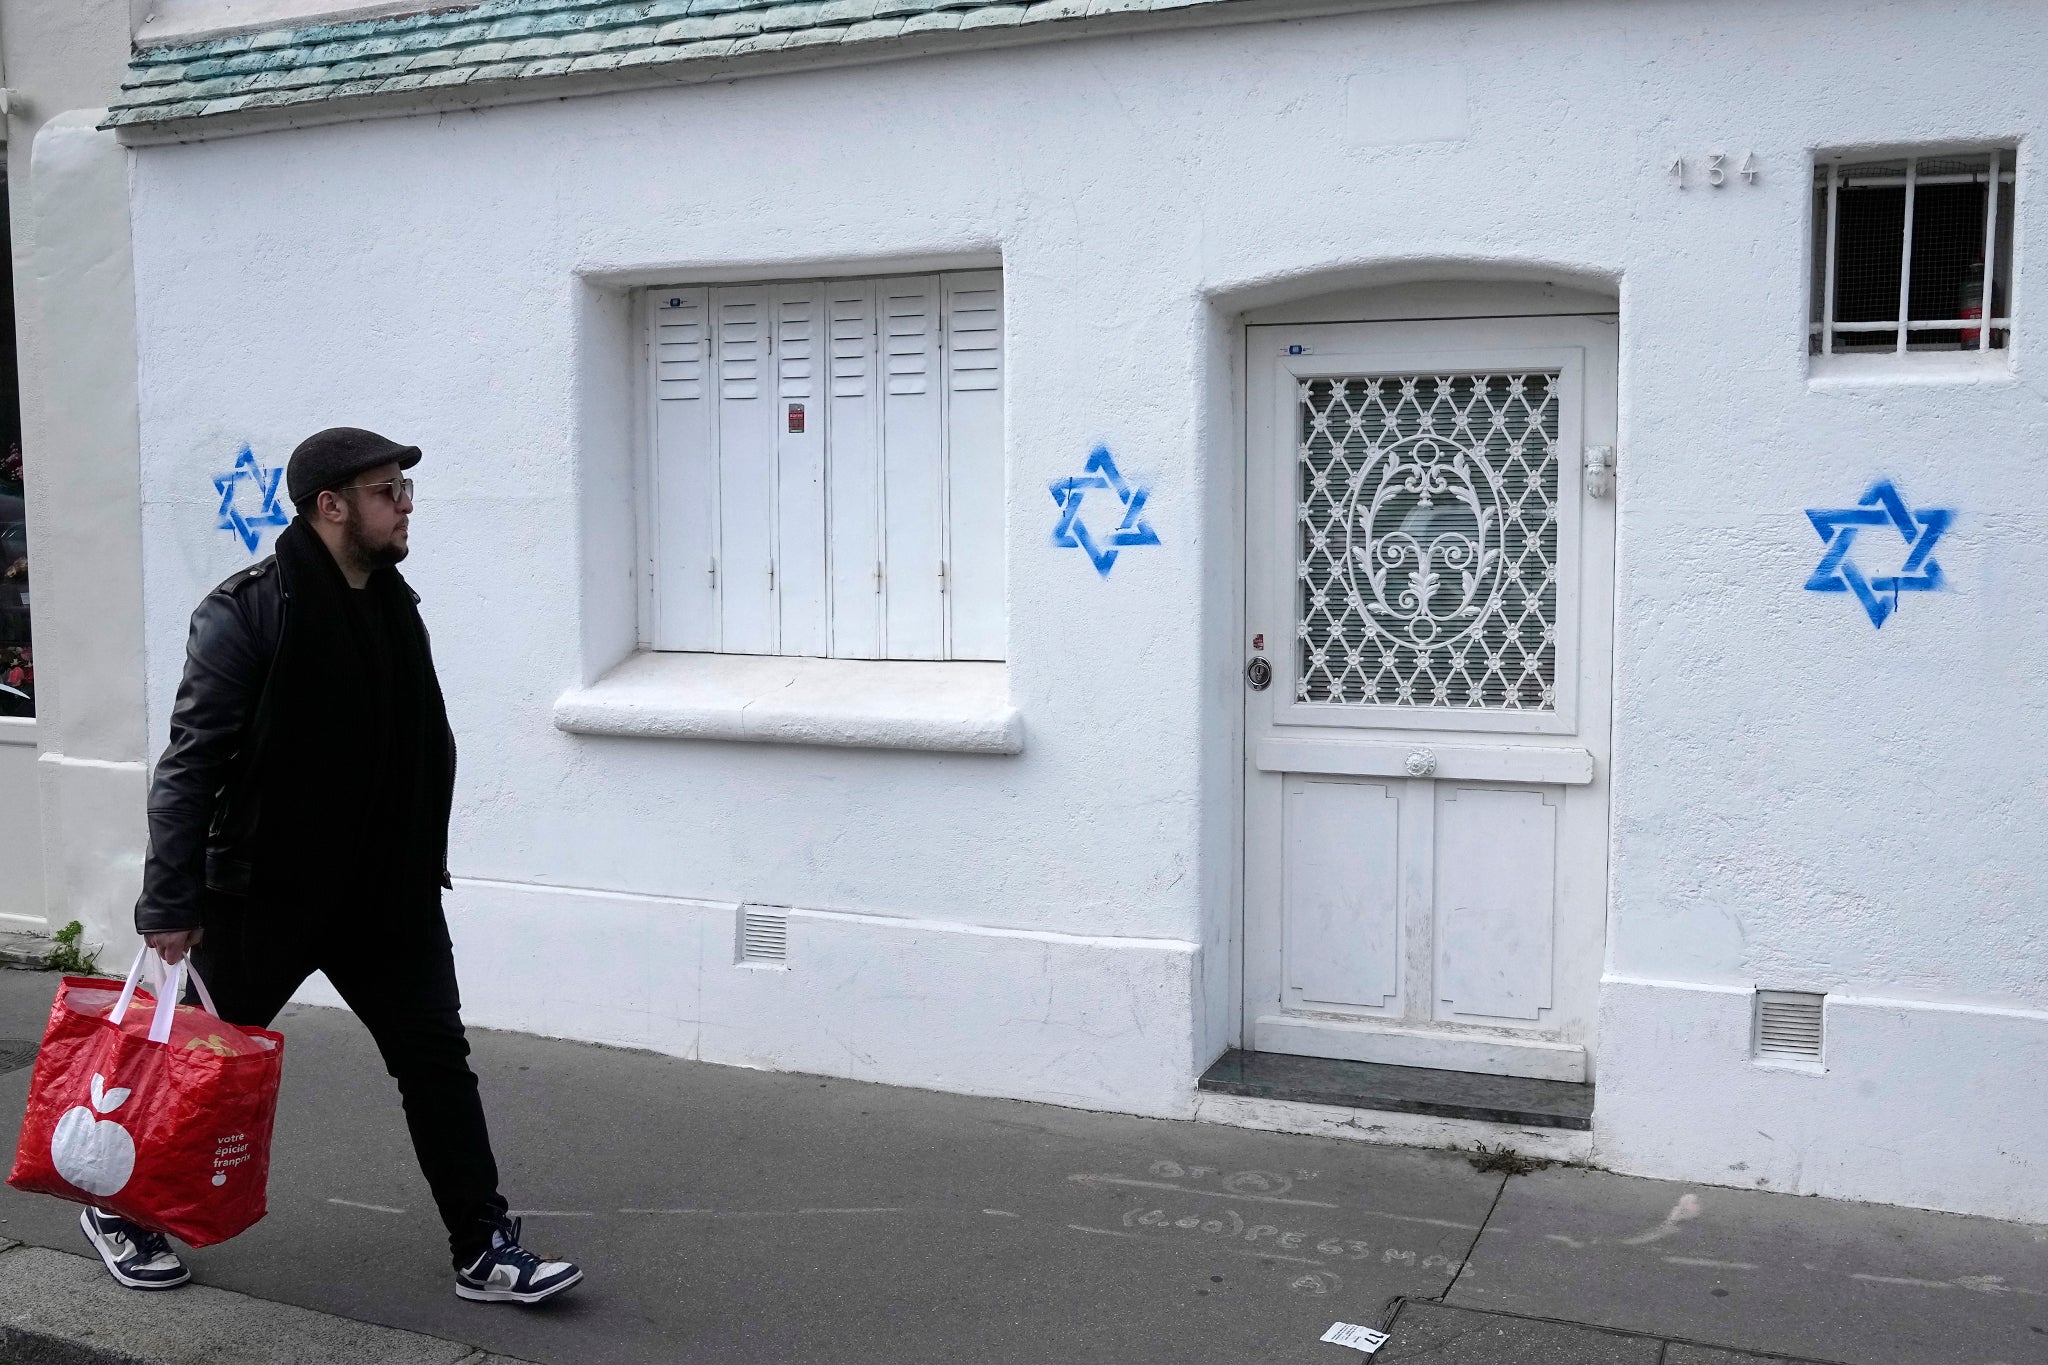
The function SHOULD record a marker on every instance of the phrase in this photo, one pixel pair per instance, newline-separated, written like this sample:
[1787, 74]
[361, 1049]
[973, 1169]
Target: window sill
[849, 703]
[1914, 367]
[17, 730]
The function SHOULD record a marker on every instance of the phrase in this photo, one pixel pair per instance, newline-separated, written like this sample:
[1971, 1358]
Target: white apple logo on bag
[97, 1157]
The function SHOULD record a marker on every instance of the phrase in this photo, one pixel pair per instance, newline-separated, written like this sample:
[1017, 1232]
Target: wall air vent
[1788, 1026]
[764, 935]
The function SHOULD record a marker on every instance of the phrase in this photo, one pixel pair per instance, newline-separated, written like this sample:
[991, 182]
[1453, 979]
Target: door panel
[1496, 897]
[1432, 588]
[1343, 905]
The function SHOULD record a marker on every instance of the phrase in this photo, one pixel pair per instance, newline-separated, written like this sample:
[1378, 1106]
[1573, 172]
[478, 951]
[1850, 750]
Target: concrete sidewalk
[729, 1215]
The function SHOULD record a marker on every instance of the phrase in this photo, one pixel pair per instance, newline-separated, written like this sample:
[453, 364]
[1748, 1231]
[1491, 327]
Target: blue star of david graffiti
[1100, 472]
[264, 481]
[1881, 506]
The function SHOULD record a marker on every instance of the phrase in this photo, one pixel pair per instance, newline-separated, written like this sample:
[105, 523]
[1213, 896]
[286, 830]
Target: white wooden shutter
[853, 417]
[686, 473]
[829, 468]
[913, 508]
[746, 470]
[800, 556]
[974, 463]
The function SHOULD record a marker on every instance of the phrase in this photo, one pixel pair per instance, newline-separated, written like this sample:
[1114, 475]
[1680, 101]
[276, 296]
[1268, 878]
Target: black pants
[396, 970]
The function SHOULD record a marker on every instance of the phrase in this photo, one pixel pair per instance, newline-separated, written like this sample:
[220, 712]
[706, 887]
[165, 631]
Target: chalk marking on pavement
[1154, 1241]
[1206, 1194]
[1686, 1209]
[1709, 1263]
[1994, 1284]
[1976, 1284]
[1411, 1218]
[1905, 1281]
[1001, 1213]
[1110, 1232]
[373, 1208]
[757, 1213]
[1574, 1243]
[552, 1213]
[1276, 1256]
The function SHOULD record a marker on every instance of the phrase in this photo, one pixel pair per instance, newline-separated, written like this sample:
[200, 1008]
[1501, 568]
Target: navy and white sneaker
[135, 1256]
[509, 1273]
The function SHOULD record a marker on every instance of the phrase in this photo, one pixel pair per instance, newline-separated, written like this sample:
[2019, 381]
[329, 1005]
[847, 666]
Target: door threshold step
[1514, 1100]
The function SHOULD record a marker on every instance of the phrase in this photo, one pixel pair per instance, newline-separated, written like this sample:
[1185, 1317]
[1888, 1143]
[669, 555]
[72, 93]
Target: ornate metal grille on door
[1427, 559]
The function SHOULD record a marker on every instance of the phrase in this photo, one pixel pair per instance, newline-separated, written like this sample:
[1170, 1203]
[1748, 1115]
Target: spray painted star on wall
[263, 482]
[1879, 508]
[1131, 529]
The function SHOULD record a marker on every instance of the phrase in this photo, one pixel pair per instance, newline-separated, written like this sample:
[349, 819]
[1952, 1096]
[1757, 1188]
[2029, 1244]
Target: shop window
[827, 467]
[1913, 253]
[17, 659]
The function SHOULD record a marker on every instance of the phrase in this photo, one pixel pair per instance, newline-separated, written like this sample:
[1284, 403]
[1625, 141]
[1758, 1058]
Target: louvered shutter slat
[746, 469]
[800, 585]
[913, 508]
[685, 516]
[854, 466]
[974, 464]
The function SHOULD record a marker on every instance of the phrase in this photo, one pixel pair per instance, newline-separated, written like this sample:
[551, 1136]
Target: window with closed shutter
[827, 467]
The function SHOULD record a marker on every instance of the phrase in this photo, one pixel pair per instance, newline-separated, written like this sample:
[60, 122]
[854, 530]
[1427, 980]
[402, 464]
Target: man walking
[298, 822]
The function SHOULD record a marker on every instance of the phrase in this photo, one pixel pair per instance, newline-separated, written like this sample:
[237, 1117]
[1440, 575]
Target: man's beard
[366, 555]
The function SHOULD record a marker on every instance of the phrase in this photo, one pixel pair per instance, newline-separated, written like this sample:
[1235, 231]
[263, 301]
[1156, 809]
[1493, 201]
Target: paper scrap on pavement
[1350, 1334]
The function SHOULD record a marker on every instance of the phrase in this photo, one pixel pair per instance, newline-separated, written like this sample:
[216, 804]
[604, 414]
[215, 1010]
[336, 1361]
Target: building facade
[71, 710]
[1019, 549]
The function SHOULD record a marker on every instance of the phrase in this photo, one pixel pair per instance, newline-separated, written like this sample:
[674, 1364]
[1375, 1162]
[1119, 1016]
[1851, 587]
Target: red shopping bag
[165, 1123]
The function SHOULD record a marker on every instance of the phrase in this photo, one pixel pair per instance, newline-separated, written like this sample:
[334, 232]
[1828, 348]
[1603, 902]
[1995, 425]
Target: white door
[1430, 590]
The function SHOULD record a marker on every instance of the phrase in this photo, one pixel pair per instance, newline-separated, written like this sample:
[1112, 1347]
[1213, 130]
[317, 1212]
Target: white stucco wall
[1800, 801]
[77, 791]
[86, 531]
[21, 833]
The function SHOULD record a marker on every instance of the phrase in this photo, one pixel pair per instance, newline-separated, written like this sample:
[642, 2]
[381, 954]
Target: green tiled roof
[499, 43]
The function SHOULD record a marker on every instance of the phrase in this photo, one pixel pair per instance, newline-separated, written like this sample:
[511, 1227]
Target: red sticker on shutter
[796, 419]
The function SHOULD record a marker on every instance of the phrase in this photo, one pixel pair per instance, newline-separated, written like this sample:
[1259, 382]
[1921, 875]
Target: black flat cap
[327, 459]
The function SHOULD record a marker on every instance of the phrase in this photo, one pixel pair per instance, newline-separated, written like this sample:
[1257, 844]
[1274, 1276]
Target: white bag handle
[120, 1010]
[205, 995]
[170, 985]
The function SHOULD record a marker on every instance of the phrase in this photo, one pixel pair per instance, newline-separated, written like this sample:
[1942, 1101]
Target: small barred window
[1912, 253]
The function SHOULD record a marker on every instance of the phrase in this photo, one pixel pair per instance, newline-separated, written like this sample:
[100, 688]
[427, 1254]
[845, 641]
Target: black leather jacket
[205, 797]
[202, 805]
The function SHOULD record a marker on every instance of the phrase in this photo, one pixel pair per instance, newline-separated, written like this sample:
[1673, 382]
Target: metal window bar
[1958, 178]
[1917, 325]
[1995, 174]
[1827, 331]
[1906, 254]
[1990, 251]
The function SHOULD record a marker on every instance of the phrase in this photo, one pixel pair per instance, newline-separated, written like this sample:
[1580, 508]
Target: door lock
[1259, 674]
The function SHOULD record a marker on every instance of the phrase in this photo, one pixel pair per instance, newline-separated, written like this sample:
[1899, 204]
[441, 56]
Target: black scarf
[359, 772]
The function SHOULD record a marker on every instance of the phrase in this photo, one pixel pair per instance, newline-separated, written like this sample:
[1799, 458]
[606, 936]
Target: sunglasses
[398, 490]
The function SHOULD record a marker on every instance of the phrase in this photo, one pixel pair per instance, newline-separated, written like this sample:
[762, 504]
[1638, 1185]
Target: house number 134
[1713, 169]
